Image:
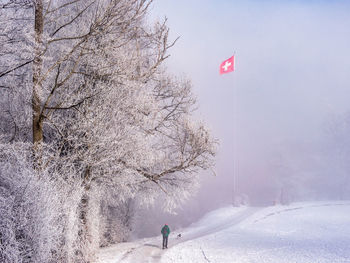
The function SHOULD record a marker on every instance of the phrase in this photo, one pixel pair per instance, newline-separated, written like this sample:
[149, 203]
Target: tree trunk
[37, 66]
[84, 230]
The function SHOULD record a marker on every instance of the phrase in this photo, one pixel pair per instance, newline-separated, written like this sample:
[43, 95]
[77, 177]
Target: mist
[281, 116]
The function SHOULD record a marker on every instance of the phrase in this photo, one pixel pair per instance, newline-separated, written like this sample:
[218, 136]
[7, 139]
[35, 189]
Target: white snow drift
[302, 233]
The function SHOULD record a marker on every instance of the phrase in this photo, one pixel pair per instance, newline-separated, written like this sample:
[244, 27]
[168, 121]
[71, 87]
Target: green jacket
[165, 231]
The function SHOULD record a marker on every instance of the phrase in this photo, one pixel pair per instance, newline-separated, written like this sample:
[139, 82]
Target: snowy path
[149, 251]
[298, 233]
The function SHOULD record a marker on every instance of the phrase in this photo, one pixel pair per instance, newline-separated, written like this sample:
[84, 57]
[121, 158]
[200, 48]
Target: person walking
[165, 232]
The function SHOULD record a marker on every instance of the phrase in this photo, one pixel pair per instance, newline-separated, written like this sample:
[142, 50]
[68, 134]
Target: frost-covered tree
[82, 81]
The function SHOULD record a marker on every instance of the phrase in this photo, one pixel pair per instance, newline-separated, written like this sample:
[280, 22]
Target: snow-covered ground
[301, 233]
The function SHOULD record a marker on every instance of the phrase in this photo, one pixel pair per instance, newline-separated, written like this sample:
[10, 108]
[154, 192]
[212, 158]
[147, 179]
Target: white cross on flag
[227, 66]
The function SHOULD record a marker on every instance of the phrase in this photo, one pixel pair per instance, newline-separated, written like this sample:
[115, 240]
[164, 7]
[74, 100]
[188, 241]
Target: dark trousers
[165, 242]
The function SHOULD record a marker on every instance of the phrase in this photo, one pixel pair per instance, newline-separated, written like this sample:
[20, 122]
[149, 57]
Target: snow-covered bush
[30, 208]
[116, 222]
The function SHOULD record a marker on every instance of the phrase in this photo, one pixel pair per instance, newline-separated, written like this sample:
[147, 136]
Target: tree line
[91, 126]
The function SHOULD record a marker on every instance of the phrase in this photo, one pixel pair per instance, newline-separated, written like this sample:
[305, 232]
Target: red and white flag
[228, 65]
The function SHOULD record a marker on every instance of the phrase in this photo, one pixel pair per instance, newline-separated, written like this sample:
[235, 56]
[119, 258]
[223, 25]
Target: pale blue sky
[292, 74]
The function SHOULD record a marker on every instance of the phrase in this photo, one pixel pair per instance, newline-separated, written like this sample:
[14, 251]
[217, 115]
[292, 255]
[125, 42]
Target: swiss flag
[227, 66]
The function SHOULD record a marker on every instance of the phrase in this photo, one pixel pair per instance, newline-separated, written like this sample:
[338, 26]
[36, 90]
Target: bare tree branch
[15, 68]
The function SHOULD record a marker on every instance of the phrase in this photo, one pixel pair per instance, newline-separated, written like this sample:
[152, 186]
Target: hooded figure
[165, 232]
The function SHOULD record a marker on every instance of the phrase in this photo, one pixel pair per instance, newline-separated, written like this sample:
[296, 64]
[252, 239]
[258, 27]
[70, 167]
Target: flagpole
[234, 201]
[227, 66]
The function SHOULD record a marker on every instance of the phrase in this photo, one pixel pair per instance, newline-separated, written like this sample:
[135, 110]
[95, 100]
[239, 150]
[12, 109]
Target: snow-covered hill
[301, 233]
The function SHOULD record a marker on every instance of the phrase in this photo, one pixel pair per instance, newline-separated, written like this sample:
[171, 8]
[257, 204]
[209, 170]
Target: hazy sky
[292, 74]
